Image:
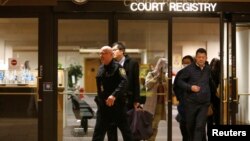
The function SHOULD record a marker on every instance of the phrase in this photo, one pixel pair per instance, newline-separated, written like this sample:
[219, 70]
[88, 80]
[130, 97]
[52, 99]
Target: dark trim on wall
[241, 17]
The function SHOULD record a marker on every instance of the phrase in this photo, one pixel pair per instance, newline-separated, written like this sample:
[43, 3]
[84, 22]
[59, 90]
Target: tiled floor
[12, 129]
[72, 132]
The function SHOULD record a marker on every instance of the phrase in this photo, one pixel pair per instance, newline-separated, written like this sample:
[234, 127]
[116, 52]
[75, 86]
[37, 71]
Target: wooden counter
[14, 89]
[60, 114]
[18, 101]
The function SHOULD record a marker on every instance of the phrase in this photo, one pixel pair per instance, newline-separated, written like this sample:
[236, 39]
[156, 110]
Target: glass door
[79, 43]
[236, 73]
[241, 98]
[189, 34]
[18, 79]
[147, 42]
[226, 87]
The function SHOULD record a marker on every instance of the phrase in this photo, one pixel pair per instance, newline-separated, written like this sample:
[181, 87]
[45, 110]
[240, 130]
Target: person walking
[196, 81]
[131, 67]
[111, 84]
[133, 90]
[186, 60]
[214, 119]
[156, 95]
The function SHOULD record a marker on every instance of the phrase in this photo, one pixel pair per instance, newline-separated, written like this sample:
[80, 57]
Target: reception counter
[17, 101]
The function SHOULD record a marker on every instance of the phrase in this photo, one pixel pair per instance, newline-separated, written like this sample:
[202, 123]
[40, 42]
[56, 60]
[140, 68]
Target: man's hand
[110, 101]
[195, 88]
[137, 106]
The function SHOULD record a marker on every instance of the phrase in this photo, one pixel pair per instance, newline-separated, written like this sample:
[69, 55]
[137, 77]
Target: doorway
[18, 79]
[236, 73]
[91, 68]
[189, 34]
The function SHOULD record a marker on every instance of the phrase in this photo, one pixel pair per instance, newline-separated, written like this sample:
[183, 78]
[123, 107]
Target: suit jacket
[132, 70]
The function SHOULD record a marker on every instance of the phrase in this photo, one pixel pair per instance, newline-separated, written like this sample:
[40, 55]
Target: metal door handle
[37, 89]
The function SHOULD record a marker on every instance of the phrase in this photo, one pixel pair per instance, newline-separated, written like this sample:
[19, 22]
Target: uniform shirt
[111, 80]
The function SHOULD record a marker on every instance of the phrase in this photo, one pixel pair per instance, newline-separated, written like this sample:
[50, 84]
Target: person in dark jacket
[131, 67]
[111, 87]
[214, 119]
[132, 71]
[195, 81]
[186, 60]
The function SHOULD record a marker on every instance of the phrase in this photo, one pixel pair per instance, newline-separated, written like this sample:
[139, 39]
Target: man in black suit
[133, 91]
[131, 67]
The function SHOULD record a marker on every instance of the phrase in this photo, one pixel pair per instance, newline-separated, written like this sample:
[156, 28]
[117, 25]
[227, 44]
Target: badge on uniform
[122, 72]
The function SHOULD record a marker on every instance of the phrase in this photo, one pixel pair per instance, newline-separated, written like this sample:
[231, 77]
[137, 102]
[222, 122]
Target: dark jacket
[132, 71]
[111, 80]
[193, 75]
[180, 95]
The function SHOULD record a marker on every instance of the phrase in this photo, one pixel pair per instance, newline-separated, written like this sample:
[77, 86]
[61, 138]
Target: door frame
[154, 16]
[229, 116]
[46, 130]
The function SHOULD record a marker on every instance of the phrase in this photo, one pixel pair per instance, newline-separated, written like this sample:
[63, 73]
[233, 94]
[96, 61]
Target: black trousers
[196, 117]
[183, 131]
[105, 122]
[112, 132]
[215, 118]
[181, 117]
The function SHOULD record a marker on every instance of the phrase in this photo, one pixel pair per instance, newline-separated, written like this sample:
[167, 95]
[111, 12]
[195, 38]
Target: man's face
[105, 56]
[201, 58]
[118, 54]
[186, 62]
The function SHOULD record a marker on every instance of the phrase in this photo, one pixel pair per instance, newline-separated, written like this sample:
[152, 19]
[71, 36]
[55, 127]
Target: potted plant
[74, 72]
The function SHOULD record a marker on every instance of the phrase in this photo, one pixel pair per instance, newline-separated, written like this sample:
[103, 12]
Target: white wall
[6, 52]
[242, 72]
[242, 60]
[190, 48]
[67, 58]
[31, 56]
[2, 51]
[212, 48]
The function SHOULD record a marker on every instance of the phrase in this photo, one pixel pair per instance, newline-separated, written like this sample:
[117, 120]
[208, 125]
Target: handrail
[17, 93]
[71, 92]
[244, 94]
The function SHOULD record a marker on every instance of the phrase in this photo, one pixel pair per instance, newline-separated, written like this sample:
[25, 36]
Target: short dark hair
[201, 50]
[120, 46]
[188, 57]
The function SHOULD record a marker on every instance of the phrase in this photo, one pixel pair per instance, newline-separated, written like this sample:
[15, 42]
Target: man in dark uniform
[111, 86]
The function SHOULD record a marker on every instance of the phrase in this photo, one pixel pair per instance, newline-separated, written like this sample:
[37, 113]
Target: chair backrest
[75, 102]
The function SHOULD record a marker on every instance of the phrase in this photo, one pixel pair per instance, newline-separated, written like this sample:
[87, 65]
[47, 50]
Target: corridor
[72, 132]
